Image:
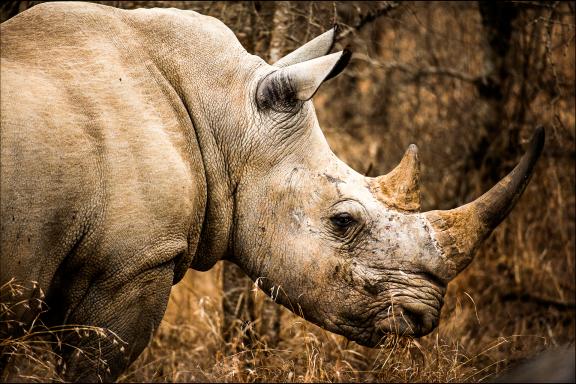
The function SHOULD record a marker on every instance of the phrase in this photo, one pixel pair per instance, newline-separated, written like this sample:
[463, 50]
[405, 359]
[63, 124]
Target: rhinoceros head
[353, 254]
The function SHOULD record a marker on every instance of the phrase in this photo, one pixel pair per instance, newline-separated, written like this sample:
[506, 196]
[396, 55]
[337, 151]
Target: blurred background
[467, 82]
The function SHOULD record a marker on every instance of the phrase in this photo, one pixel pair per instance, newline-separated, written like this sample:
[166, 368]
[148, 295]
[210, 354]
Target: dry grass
[469, 346]
[189, 347]
[31, 351]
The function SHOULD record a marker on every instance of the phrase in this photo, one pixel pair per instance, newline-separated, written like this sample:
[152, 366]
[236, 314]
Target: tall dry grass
[30, 350]
[189, 347]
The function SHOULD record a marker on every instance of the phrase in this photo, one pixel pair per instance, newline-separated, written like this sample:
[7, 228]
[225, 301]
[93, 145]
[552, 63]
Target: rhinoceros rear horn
[317, 47]
[281, 90]
[400, 188]
[458, 232]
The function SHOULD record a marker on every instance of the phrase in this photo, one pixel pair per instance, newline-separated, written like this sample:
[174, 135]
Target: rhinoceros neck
[209, 70]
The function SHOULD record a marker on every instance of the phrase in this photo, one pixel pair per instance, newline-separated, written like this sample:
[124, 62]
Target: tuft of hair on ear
[277, 93]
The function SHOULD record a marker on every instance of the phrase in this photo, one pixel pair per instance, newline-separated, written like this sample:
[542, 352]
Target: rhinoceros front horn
[458, 232]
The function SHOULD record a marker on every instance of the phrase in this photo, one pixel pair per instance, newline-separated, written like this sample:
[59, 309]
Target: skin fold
[138, 144]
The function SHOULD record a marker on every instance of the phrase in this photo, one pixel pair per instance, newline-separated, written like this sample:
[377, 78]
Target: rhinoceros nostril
[371, 288]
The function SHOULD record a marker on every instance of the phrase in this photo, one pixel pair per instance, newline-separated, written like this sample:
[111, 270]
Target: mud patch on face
[333, 180]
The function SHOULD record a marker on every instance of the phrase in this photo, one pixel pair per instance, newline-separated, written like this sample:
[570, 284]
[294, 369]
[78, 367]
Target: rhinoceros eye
[342, 220]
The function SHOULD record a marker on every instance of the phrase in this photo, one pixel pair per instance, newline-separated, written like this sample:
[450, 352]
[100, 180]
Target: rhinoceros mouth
[391, 301]
[400, 322]
[409, 319]
[414, 311]
[405, 316]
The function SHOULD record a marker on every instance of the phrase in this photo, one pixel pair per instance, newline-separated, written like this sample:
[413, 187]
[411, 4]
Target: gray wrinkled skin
[133, 148]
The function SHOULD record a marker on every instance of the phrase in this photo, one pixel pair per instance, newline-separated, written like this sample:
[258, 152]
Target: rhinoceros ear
[281, 90]
[317, 47]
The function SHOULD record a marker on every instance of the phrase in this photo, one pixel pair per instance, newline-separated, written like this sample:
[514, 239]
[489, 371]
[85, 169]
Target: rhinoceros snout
[409, 319]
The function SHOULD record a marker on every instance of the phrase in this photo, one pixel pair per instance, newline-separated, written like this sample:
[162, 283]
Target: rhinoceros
[138, 144]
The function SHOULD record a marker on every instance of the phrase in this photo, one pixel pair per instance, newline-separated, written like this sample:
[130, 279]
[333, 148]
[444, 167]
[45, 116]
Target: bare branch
[419, 72]
[382, 9]
[530, 297]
